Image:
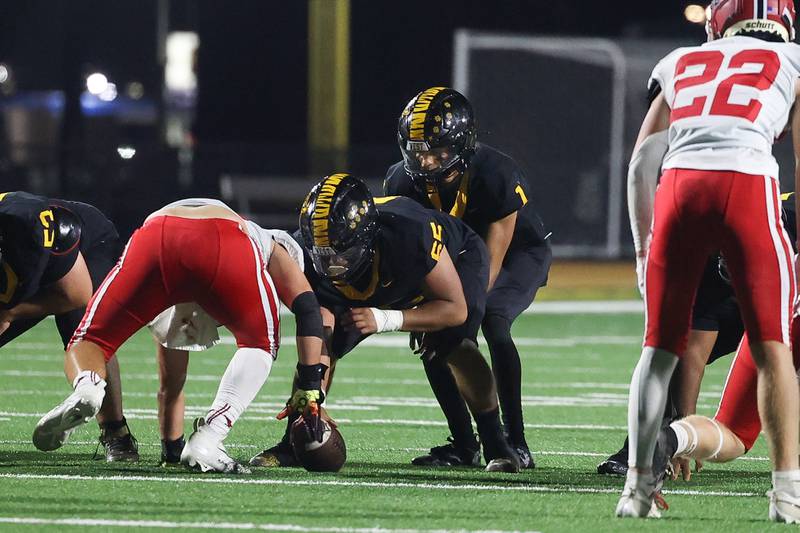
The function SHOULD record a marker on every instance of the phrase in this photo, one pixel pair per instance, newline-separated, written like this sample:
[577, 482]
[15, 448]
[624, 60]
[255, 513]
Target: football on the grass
[326, 456]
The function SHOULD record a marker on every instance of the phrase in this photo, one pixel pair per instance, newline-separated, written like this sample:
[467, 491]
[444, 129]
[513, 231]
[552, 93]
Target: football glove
[306, 399]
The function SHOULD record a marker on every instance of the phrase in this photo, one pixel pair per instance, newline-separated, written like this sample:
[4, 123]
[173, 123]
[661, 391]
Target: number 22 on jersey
[710, 62]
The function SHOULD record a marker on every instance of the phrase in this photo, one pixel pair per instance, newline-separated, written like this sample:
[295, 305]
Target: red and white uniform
[738, 408]
[172, 260]
[729, 100]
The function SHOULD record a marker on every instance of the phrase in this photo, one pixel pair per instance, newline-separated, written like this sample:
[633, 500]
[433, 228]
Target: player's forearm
[48, 302]
[309, 350]
[498, 239]
[642, 180]
[434, 316]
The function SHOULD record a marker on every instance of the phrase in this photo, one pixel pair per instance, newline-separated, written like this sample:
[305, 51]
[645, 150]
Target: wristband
[387, 320]
[309, 377]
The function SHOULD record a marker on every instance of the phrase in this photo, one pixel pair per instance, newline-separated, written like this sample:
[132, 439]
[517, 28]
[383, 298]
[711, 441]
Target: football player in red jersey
[724, 103]
[196, 251]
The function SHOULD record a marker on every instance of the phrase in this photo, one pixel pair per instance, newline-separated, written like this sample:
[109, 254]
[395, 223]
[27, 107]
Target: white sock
[787, 481]
[648, 397]
[88, 378]
[244, 377]
[687, 437]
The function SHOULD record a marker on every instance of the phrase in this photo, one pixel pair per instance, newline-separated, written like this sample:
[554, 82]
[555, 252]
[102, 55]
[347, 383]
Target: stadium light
[695, 14]
[109, 94]
[126, 151]
[3, 73]
[96, 83]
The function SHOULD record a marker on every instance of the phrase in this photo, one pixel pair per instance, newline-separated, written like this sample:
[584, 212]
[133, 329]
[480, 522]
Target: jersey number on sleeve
[436, 249]
[46, 218]
[711, 61]
[521, 193]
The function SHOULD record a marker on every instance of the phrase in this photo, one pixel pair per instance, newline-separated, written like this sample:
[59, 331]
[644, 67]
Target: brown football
[326, 456]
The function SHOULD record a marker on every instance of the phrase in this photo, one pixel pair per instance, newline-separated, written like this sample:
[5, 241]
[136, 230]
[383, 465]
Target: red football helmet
[730, 17]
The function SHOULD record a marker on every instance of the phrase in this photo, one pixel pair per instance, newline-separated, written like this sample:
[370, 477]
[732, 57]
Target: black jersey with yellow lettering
[28, 239]
[408, 246]
[493, 187]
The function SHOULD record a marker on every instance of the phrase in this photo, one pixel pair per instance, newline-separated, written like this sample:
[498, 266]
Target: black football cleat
[280, 455]
[616, 464]
[119, 446]
[524, 455]
[450, 455]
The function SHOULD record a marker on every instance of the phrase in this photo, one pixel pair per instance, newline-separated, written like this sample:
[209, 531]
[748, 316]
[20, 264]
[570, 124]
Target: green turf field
[576, 371]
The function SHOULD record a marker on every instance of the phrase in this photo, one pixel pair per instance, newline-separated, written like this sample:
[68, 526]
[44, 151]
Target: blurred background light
[695, 13]
[96, 83]
[126, 151]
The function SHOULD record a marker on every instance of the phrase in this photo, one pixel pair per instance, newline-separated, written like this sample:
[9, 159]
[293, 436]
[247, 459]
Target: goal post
[557, 105]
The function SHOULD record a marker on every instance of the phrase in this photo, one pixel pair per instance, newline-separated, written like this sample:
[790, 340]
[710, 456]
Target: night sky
[252, 62]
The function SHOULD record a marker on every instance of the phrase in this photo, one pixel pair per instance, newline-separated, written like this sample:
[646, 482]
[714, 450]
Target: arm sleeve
[643, 173]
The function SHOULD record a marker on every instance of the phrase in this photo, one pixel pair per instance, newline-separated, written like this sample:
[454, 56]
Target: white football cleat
[637, 504]
[54, 428]
[204, 451]
[783, 507]
[641, 497]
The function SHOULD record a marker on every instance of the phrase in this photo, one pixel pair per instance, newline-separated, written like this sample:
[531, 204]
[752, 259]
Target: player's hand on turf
[681, 467]
[361, 319]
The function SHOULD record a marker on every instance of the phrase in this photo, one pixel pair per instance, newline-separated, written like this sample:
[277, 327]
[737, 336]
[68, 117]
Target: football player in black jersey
[53, 255]
[389, 264]
[444, 168]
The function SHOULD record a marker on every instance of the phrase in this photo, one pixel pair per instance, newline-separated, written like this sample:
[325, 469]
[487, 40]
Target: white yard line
[361, 484]
[164, 524]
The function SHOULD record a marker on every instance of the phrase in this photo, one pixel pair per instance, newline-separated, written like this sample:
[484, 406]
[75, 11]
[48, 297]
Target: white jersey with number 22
[729, 100]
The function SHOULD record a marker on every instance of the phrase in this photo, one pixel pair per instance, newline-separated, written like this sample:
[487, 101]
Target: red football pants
[171, 260]
[738, 408]
[698, 212]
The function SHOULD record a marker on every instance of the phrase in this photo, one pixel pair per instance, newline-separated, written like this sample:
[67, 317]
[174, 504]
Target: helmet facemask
[339, 235]
[436, 135]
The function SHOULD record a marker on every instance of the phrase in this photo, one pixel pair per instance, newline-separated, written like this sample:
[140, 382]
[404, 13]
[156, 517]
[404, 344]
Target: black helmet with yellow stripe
[339, 225]
[436, 134]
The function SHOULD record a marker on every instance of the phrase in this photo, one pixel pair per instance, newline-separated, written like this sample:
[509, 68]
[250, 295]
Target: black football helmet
[67, 229]
[436, 134]
[339, 224]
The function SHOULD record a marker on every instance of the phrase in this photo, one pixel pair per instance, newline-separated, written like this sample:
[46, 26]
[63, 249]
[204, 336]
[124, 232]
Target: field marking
[150, 414]
[200, 478]
[163, 524]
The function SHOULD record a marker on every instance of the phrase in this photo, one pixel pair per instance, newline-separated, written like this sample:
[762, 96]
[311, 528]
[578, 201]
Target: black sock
[507, 371]
[114, 426]
[491, 435]
[171, 449]
[672, 441]
[453, 406]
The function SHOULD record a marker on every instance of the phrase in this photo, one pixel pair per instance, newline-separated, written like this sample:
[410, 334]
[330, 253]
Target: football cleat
[524, 455]
[783, 507]
[55, 428]
[281, 454]
[641, 498]
[450, 455]
[616, 464]
[204, 451]
[119, 446]
[510, 465]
